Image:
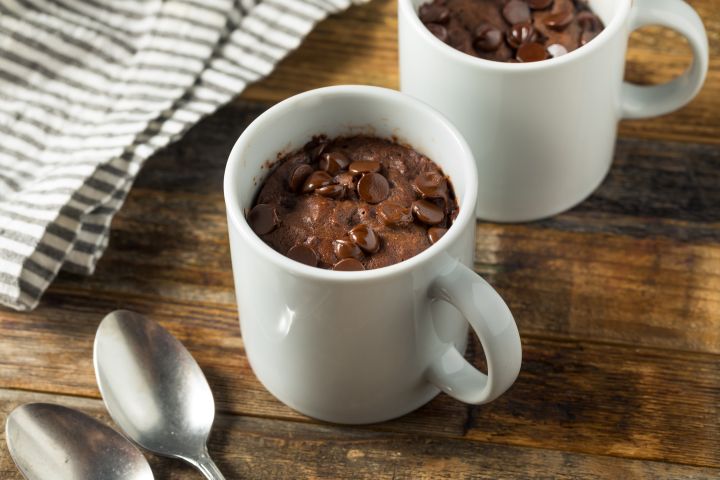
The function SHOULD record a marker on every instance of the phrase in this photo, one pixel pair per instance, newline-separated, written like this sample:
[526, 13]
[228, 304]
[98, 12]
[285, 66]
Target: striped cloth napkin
[89, 89]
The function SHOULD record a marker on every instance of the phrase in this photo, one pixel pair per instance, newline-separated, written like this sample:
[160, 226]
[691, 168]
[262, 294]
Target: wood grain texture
[571, 395]
[270, 449]
[359, 46]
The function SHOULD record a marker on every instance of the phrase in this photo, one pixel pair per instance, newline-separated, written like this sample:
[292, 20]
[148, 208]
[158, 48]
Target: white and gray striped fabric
[91, 88]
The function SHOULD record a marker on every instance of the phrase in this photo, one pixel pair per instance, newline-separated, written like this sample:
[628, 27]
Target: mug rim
[238, 220]
[406, 9]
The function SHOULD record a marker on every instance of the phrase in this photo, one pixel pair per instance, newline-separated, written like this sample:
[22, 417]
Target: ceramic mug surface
[362, 347]
[543, 133]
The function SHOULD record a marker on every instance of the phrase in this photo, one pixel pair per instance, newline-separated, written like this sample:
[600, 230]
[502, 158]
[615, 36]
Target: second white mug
[543, 133]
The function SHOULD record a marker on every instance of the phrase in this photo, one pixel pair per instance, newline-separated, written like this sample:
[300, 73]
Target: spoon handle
[208, 468]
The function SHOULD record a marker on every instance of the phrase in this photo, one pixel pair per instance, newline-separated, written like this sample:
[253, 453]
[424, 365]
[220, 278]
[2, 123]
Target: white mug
[363, 347]
[543, 133]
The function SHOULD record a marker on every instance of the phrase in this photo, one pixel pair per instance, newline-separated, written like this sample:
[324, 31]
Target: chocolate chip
[556, 50]
[436, 233]
[589, 21]
[559, 20]
[586, 36]
[347, 249]
[516, 11]
[303, 254]
[521, 33]
[427, 212]
[333, 162]
[317, 146]
[316, 179]
[348, 265]
[393, 214]
[539, 4]
[431, 185]
[332, 191]
[365, 238]
[438, 30]
[365, 166]
[373, 188]
[263, 219]
[487, 38]
[298, 175]
[531, 52]
[432, 13]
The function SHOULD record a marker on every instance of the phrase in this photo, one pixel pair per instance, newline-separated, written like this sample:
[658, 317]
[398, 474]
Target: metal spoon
[50, 442]
[154, 389]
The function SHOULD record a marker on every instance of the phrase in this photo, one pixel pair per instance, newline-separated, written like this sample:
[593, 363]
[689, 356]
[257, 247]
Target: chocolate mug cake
[353, 203]
[512, 30]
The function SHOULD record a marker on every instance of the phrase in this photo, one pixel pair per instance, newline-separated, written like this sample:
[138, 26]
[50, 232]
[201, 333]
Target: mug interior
[342, 111]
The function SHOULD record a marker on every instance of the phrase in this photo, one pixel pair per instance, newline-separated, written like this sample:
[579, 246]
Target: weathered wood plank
[360, 46]
[571, 395]
[256, 448]
[650, 291]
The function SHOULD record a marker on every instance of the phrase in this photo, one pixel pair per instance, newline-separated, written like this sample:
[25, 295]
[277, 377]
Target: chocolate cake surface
[353, 203]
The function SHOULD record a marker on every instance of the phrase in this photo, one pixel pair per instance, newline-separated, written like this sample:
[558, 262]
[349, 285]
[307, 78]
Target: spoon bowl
[51, 441]
[154, 389]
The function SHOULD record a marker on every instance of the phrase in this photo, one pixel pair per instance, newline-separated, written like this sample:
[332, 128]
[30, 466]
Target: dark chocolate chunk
[316, 179]
[333, 191]
[263, 219]
[431, 185]
[436, 233]
[334, 162]
[298, 175]
[516, 11]
[365, 238]
[521, 33]
[539, 4]
[365, 166]
[439, 31]
[303, 254]
[373, 188]
[487, 38]
[586, 36]
[531, 52]
[348, 265]
[394, 214]
[317, 146]
[433, 13]
[346, 249]
[559, 20]
[427, 212]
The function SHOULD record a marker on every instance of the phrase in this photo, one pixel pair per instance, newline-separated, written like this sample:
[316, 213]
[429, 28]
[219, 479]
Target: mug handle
[650, 101]
[490, 318]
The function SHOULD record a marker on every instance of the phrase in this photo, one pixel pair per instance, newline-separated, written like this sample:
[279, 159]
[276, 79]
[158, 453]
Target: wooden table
[618, 302]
